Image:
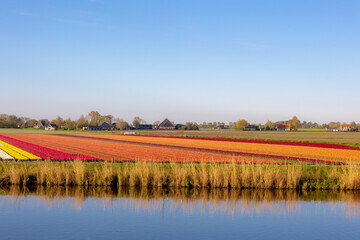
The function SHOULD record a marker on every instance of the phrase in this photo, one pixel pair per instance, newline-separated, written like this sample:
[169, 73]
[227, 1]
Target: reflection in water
[215, 201]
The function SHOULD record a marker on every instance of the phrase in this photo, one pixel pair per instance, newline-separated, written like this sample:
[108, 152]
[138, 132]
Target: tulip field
[123, 148]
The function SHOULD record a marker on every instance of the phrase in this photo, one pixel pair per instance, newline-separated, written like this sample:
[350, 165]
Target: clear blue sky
[186, 60]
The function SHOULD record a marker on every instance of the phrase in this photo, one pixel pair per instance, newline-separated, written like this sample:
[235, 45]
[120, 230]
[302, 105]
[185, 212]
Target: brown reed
[155, 175]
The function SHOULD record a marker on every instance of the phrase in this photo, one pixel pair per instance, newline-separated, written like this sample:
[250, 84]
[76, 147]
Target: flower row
[40, 152]
[12, 152]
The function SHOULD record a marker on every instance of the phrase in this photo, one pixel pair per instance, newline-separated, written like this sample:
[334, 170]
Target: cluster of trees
[94, 118]
[12, 121]
[295, 124]
[191, 126]
[242, 124]
[212, 125]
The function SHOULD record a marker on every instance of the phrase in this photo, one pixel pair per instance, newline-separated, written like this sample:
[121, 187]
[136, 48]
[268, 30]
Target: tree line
[94, 118]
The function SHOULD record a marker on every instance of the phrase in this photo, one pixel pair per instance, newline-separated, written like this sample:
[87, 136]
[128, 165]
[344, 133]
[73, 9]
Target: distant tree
[107, 118]
[69, 124]
[156, 124]
[334, 124]
[137, 121]
[268, 126]
[59, 122]
[3, 118]
[9, 121]
[94, 118]
[31, 123]
[81, 122]
[13, 121]
[203, 125]
[232, 124]
[23, 122]
[241, 124]
[191, 126]
[294, 123]
[353, 124]
[121, 124]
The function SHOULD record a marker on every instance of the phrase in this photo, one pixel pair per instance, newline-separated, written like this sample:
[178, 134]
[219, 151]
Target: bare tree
[81, 122]
[121, 124]
[137, 121]
[94, 118]
[59, 122]
[31, 123]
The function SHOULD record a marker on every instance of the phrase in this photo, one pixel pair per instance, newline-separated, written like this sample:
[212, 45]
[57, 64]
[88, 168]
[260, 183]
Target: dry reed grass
[153, 175]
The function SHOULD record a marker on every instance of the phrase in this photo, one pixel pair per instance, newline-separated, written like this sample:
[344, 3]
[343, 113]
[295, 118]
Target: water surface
[78, 213]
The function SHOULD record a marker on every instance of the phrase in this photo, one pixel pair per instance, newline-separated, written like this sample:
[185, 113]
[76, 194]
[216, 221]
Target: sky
[198, 60]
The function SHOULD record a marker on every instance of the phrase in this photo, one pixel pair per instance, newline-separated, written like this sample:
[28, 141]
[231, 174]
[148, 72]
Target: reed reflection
[214, 201]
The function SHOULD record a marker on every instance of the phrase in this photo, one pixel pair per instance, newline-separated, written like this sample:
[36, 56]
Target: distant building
[40, 124]
[51, 127]
[179, 126]
[145, 126]
[166, 125]
[220, 126]
[347, 128]
[93, 128]
[252, 128]
[106, 126]
[283, 127]
[331, 129]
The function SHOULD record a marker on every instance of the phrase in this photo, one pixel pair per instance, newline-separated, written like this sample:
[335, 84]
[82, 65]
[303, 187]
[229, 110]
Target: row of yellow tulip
[17, 153]
[4, 155]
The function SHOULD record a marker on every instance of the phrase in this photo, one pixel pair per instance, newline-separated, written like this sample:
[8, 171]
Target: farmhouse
[283, 127]
[101, 127]
[220, 126]
[347, 128]
[166, 125]
[92, 128]
[252, 128]
[331, 129]
[145, 126]
[105, 126]
[179, 126]
[51, 127]
[40, 124]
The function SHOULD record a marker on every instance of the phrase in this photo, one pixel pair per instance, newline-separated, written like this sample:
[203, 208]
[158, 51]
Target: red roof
[346, 125]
